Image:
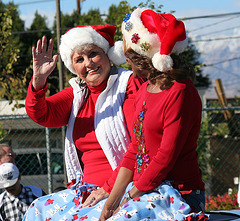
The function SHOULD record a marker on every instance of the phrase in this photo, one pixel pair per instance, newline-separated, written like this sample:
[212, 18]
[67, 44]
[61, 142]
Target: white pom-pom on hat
[116, 54]
[162, 62]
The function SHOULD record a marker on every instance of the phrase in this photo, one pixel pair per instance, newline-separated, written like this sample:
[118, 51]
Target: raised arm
[43, 62]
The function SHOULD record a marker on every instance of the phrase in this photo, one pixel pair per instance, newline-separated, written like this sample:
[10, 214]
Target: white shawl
[109, 122]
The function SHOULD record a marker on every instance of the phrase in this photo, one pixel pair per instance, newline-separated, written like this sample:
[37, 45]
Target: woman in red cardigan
[97, 108]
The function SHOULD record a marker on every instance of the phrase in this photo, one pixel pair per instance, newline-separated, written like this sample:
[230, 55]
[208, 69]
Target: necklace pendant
[144, 102]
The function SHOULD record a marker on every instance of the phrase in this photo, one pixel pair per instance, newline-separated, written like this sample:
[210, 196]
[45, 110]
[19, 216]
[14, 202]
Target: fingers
[33, 51]
[55, 57]
[39, 49]
[95, 197]
[116, 211]
[42, 47]
[44, 44]
[90, 201]
[106, 213]
[36, 50]
[50, 47]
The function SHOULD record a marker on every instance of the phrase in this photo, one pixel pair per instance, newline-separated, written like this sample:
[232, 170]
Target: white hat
[9, 174]
[100, 35]
[154, 35]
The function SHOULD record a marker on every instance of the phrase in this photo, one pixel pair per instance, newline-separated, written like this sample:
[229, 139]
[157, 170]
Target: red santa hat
[100, 35]
[154, 35]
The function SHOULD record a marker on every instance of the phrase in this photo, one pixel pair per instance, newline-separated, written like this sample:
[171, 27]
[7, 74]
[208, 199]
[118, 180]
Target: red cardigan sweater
[54, 111]
[171, 126]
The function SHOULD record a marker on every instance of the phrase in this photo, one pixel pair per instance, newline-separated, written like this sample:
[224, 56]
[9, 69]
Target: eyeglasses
[11, 155]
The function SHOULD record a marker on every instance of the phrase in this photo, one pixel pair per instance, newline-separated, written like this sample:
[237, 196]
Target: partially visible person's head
[81, 39]
[154, 35]
[6, 154]
[9, 175]
[153, 42]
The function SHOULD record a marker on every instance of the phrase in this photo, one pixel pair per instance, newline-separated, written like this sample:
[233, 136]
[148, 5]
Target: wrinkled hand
[95, 197]
[43, 61]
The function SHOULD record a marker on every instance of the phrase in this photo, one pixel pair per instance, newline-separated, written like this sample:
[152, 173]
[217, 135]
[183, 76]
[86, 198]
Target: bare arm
[111, 206]
[43, 62]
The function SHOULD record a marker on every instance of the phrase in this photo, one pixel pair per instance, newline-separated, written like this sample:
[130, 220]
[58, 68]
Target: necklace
[147, 95]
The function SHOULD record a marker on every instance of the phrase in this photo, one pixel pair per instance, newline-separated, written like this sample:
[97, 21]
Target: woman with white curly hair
[97, 107]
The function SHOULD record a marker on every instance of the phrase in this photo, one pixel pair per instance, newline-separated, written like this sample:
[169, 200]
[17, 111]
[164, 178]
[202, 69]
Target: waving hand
[43, 62]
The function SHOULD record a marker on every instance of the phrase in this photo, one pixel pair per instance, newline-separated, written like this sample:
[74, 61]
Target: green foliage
[152, 5]
[221, 125]
[203, 149]
[115, 16]
[3, 133]
[191, 56]
[11, 82]
[93, 17]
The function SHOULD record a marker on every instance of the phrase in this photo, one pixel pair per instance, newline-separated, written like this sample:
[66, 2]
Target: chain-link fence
[219, 149]
[40, 150]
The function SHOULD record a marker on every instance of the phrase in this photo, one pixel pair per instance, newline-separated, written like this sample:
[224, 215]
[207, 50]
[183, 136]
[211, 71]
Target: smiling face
[91, 64]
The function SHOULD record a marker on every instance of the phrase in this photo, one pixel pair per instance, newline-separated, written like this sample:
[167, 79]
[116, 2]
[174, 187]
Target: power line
[215, 23]
[211, 16]
[214, 32]
[29, 32]
[217, 39]
[34, 2]
[231, 83]
[36, 31]
[223, 61]
[226, 71]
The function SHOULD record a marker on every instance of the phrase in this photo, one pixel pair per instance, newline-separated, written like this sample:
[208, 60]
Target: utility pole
[79, 6]
[60, 72]
[60, 65]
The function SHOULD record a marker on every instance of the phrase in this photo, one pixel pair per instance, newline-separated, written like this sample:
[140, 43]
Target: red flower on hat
[135, 38]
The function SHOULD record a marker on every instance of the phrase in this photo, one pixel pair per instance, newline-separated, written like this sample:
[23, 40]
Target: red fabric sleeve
[178, 121]
[51, 112]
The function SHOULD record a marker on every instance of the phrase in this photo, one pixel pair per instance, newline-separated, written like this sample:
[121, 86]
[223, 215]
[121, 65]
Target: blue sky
[184, 8]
